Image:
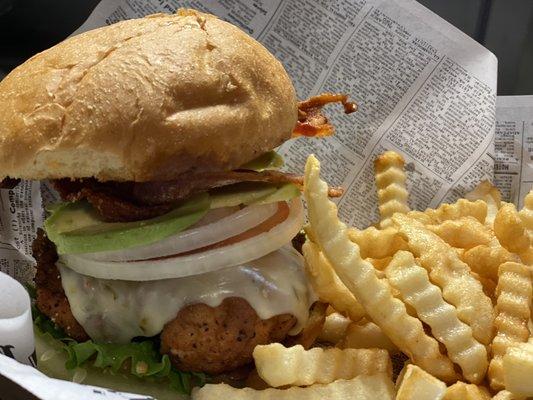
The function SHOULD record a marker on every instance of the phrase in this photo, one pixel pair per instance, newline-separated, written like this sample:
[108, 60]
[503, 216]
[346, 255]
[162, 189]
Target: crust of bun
[143, 100]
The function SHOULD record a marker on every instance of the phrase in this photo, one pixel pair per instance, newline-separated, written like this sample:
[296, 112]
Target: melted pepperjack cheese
[114, 311]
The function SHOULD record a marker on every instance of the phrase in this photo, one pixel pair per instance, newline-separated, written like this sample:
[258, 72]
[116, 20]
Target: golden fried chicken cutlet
[200, 338]
[218, 339]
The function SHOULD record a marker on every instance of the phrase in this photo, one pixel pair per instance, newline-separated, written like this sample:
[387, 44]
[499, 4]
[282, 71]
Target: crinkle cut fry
[377, 243]
[460, 209]
[363, 387]
[413, 283]
[279, 366]
[334, 329]
[513, 309]
[506, 395]
[366, 335]
[512, 234]
[327, 284]
[390, 182]
[360, 278]
[518, 369]
[485, 260]
[464, 233]
[489, 286]
[459, 287]
[465, 391]
[487, 192]
[526, 213]
[416, 384]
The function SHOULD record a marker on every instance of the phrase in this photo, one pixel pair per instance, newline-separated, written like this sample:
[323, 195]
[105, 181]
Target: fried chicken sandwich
[168, 257]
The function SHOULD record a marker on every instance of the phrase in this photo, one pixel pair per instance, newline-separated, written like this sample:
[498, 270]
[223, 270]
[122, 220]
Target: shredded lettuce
[139, 358]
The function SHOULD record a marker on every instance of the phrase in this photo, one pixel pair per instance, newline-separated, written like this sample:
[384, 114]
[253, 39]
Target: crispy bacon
[311, 121]
[111, 205]
[133, 201]
[169, 191]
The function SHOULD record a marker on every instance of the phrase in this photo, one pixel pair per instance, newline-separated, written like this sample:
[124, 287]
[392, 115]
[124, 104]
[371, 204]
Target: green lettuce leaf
[139, 358]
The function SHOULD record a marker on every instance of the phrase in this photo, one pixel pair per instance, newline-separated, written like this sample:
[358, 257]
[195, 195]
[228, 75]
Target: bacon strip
[169, 191]
[110, 206]
[311, 121]
[133, 201]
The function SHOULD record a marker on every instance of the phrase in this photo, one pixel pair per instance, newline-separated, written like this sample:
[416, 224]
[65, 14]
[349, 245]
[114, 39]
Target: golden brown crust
[51, 299]
[220, 339]
[200, 338]
[55, 306]
[144, 99]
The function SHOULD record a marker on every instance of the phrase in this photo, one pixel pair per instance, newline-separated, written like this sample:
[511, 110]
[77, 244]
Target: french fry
[459, 251]
[459, 287]
[513, 311]
[421, 217]
[366, 335]
[390, 182]
[465, 233]
[417, 384]
[364, 387]
[334, 329]
[512, 234]
[280, 366]
[485, 260]
[464, 391]
[487, 192]
[526, 213]
[518, 369]
[416, 290]
[377, 243]
[327, 284]
[379, 263]
[489, 286]
[460, 209]
[360, 278]
[506, 395]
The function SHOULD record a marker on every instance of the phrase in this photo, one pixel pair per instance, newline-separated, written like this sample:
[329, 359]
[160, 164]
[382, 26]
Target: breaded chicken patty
[219, 339]
[51, 299]
[200, 338]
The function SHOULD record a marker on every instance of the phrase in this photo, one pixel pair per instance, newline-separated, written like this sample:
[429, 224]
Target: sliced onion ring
[193, 238]
[196, 263]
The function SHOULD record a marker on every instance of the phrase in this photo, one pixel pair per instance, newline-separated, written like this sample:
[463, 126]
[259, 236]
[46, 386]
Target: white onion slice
[194, 264]
[195, 237]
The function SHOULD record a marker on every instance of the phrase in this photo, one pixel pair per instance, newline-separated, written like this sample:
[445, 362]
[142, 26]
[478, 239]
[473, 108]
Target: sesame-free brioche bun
[145, 99]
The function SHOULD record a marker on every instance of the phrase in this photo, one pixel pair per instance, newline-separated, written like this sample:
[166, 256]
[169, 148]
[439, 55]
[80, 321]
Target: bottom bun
[51, 358]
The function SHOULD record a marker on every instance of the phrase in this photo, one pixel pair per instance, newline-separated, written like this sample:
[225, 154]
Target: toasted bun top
[145, 99]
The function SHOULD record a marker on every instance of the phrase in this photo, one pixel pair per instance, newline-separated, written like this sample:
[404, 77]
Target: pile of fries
[444, 295]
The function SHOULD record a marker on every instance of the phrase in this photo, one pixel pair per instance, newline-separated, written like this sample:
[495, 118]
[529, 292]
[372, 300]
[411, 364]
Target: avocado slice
[268, 160]
[248, 193]
[240, 193]
[285, 192]
[76, 227]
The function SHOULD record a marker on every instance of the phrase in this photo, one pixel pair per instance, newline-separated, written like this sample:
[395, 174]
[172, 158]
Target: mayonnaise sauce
[115, 311]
